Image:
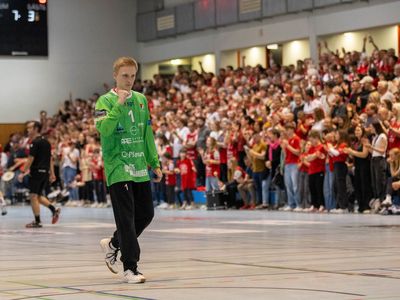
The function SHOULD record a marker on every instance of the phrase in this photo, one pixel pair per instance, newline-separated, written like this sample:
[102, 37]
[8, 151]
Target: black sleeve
[33, 149]
[276, 157]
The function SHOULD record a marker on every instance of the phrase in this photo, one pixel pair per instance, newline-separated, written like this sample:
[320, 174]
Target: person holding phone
[123, 120]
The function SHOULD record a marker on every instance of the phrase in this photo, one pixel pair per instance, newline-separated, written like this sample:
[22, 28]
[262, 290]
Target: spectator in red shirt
[98, 177]
[394, 129]
[291, 146]
[211, 160]
[185, 167]
[339, 158]
[304, 188]
[170, 178]
[190, 142]
[316, 170]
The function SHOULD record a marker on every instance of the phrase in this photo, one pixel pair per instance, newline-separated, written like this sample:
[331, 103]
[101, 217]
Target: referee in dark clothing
[39, 166]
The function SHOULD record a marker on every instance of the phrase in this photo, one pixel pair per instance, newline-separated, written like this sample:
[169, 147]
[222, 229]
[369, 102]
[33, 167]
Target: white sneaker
[134, 277]
[189, 207]
[387, 201]
[3, 205]
[111, 255]
[298, 209]
[287, 208]
[163, 205]
[371, 203]
[3, 210]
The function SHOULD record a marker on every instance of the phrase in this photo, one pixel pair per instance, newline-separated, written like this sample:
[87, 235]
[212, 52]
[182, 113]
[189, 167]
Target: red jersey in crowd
[290, 157]
[317, 165]
[342, 157]
[188, 176]
[223, 154]
[393, 139]
[191, 139]
[170, 179]
[300, 133]
[98, 168]
[212, 168]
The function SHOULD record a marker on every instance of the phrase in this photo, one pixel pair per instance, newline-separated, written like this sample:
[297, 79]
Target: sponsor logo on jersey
[126, 141]
[131, 170]
[131, 154]
[134, 130]
[141, 105]
[120, 129]
[100, 115]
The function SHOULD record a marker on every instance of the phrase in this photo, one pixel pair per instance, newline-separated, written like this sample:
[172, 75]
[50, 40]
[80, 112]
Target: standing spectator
[202, 134]
[211, 160]
[362, 169]
[98, 178]
[304, 187]
[191, 141]
[339, 158]
[186, 169]
[257, 156]
[170, 179]
[87, 179]
[272, 162]
[329, 196]
[316, 171]
[378, 165]
[291, 145]
[69, 169]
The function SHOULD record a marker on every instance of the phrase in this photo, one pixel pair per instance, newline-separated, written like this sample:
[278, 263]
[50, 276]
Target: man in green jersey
[122, 117]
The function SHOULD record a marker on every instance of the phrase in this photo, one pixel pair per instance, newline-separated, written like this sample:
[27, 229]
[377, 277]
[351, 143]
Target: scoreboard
[23, 28]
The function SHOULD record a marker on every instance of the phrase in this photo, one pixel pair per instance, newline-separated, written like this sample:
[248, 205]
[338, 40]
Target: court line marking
[77, 291]
[254, 287]
[299, 269]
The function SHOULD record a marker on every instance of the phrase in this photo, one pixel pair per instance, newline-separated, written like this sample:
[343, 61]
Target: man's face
[125, 77]
[199, 123]
[297, 99]
[355, 85]
[30, 129]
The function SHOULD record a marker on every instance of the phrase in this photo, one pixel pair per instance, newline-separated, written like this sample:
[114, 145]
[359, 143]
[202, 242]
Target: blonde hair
[232, 168]
[123, 62]
[396, 106]
[395, 164]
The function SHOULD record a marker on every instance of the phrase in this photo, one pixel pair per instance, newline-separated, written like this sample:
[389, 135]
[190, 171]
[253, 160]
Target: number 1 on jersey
[130, 113]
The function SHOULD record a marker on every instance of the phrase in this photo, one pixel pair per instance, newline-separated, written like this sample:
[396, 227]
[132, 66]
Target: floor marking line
[253, 287]
[300, 269]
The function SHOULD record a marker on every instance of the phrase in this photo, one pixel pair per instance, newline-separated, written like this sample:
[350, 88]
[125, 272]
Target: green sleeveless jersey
[127, 139]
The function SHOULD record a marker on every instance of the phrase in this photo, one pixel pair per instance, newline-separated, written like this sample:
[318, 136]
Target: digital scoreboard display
[23, 27]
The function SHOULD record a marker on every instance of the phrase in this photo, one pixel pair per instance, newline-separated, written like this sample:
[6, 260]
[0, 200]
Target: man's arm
[107, 117]
[28, 164]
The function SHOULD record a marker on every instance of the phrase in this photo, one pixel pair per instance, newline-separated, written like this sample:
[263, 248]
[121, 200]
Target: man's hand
[122, 95]
[396, 185]
[52, 178]
[159, 174]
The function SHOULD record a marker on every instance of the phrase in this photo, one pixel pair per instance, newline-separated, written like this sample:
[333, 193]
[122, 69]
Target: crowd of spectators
[307, 137]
